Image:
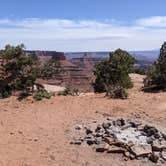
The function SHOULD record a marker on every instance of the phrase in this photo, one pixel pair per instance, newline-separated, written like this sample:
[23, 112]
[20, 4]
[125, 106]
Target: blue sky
[83, 25]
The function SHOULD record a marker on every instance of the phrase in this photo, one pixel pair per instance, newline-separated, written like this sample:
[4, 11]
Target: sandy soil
[37, 133]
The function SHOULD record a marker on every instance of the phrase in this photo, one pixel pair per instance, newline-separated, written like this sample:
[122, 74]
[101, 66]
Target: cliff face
[46, 55]
[77, 72]
[72, 76]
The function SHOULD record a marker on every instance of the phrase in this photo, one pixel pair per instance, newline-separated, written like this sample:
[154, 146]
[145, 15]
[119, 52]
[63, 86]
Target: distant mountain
[144, 58]
[71, 55]
[146, 55]
[150, 55]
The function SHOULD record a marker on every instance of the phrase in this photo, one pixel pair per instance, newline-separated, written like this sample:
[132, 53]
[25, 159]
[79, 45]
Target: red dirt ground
[37, 133]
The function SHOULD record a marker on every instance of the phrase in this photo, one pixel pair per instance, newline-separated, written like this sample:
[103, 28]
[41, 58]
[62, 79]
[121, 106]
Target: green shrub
[40, 94]
[69, 91]
[112, 76]
[19, 72]
[156, 75]
[5, 90]
[141, 71]
[117, 92]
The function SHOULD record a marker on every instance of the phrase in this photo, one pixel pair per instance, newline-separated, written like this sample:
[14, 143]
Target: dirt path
[36, 133]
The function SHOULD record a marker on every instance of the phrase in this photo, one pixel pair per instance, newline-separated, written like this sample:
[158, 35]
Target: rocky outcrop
[77, 72]
[46, 55]
[72, 76]
[128, 137]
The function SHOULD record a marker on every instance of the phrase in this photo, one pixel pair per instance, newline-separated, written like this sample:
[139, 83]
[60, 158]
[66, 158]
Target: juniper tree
[112, 76]
[19, 71]
[156, 75]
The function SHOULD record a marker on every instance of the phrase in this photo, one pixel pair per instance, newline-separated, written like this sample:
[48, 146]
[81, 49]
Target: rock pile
[130, 138]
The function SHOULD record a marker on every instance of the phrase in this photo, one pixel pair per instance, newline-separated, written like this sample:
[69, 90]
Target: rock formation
[131, 138]
[77, 73]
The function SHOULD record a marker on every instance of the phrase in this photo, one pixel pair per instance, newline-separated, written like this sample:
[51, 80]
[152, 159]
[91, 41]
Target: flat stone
[102, 147]
[159, 146]
[116, 149]
[141, 150]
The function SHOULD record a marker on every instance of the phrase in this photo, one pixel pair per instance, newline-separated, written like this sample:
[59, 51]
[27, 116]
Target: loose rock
[76, 142]
[130, 138]
[154, 158]
[141, 151]
[102, 147]
[159, 146]
[115, 149]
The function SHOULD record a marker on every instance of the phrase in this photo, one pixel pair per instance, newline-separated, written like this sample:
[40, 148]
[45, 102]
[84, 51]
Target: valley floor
[37, 133]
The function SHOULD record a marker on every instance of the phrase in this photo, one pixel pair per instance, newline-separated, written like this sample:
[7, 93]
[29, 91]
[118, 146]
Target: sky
[83, 25]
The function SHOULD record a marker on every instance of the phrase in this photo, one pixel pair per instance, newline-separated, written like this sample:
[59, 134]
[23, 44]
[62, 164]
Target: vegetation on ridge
[19, 72]
[112, 76]
[156, 75]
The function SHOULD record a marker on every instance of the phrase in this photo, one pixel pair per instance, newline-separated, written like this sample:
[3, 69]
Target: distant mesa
[78, 67]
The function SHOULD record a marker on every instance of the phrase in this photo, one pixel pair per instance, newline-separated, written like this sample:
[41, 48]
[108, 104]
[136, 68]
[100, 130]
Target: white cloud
[81, 35]
[157, 21]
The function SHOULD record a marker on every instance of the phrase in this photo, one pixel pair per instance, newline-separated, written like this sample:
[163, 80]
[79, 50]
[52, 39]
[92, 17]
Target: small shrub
[5, 90]
[40, 94]
[141, 71]
[69, 91]
[117, 92]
